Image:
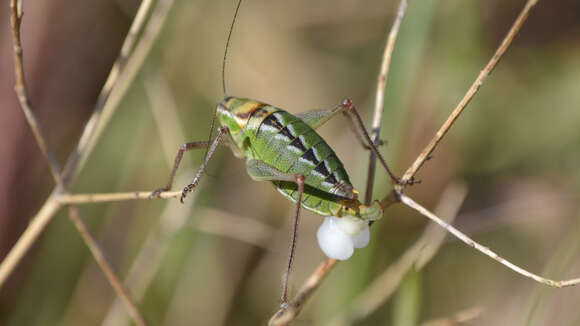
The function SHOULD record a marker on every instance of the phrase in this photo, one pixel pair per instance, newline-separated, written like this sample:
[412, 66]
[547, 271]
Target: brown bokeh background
[516, 148]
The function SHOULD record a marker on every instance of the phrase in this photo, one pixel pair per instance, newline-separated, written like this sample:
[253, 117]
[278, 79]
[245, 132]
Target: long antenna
[223, 73]
[228, 46]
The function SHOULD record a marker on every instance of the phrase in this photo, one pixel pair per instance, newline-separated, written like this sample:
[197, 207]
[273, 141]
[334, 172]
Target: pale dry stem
[16, 14]
[513, 31]
[51, 207]
[106, 267]
[111, 197]
[287, 315]
[174, 216]
[380, 96]
[133, 62]
[485, 250]
[105, 107]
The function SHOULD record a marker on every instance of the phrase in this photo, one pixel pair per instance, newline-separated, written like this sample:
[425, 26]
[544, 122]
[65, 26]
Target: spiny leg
[350, 111]
[184, 148]
[260, 171]
[360, 134]
[189, 188]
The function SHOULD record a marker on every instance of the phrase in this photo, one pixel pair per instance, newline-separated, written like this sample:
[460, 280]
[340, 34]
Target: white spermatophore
[338, 236]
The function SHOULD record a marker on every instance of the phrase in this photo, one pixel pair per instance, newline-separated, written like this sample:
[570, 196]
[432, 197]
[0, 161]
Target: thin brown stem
[22, 93]
[513, 31]
[16, 15]
[105, 266]
[76, 199]
[90, 134]
[380, 97]
[104, 107]
[286, 315]
[28, 237]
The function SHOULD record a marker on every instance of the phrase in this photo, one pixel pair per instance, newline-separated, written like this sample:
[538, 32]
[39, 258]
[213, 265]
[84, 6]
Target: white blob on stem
[337, 237]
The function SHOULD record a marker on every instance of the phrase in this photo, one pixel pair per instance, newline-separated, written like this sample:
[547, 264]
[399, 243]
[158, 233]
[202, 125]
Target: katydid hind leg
[299, 179]
[184, 148]
[260, 171]
[351, 112]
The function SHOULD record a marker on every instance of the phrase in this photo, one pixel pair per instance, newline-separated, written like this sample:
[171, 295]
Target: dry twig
[16, 14]
[285, 316]
[380, 97]
[11, 261]
[513, 31]
[102, 111]
[111, 197]
[486, 251]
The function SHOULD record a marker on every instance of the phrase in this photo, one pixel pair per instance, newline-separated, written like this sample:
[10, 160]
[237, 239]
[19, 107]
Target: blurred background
[218, 259]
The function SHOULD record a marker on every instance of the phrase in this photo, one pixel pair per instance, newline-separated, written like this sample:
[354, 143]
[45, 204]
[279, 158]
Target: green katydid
[286, 150]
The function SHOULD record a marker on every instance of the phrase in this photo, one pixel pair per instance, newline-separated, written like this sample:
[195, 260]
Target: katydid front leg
[184, 148]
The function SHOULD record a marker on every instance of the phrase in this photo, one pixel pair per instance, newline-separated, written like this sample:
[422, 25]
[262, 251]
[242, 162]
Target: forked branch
[16, 15]
[94, 126]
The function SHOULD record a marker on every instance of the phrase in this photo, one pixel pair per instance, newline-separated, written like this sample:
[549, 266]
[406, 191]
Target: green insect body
[274, 140]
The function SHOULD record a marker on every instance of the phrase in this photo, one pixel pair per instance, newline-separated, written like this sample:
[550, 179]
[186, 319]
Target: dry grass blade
[11, 261]
[105, 266]
[486, 251]
[111, 197]
[513, 31]
[27, 238]
[415, 257]
[103, 107]
[380, 97]
[21, 92]
[287, 315]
